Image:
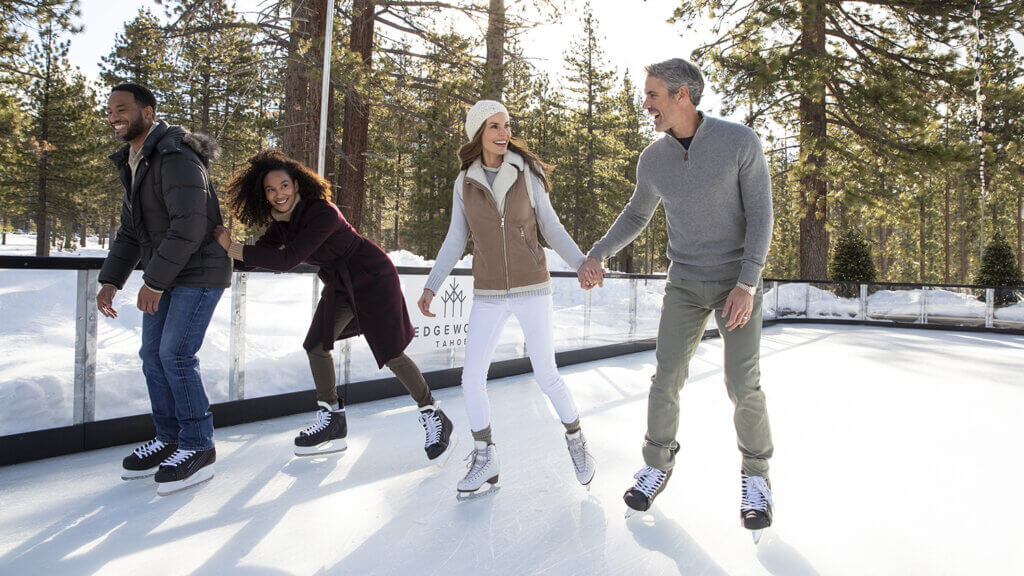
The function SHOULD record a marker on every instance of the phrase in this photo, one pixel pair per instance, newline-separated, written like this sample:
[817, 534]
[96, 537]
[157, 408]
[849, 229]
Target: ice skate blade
[443, 457]
[138, 474]
[482, 492]
[331, 447]
[204, 474]
[630, 512]
[756, 535]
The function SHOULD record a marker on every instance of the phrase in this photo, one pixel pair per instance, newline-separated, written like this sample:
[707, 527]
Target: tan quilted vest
[507, 257]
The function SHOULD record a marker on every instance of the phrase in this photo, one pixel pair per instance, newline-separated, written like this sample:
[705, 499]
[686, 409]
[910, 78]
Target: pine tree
[591, 170]
[851, 262]
[999, 268]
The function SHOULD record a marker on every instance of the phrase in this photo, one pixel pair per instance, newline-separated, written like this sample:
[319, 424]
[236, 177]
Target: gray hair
[676, 73]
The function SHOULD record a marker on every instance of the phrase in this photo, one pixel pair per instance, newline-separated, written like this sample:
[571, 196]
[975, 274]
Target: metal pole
[325, 86]
[863, 313]
[586, 314]
[923, 316]
[990, 307]
[632, 308]
[236, 371]
[316, 292]
[85, 347]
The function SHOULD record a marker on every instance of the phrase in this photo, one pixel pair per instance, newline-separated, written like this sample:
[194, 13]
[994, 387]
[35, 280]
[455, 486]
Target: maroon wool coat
[351, 267]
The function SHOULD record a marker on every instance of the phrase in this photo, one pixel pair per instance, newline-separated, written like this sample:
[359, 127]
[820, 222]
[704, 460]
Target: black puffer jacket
[168, 215]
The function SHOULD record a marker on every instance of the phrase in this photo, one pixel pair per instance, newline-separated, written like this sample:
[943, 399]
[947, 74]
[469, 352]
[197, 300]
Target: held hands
[424, 303]
[222, 236]
[148, 300]
[740, 304]
[590, 274]
[105, 301]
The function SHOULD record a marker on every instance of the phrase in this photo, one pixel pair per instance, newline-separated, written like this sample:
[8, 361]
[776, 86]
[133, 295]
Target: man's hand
[424, 303]
[740, 304]
[148, 300]
[222, 236]
[590, 274]
[105, 301]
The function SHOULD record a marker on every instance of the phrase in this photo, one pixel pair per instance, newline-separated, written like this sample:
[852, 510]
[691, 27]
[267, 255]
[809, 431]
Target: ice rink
[895, 454]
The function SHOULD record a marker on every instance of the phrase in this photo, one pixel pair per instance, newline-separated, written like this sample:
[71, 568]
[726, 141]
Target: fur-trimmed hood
[203, 144]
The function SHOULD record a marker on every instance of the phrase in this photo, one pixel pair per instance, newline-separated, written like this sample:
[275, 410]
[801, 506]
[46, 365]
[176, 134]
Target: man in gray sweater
[712, 176]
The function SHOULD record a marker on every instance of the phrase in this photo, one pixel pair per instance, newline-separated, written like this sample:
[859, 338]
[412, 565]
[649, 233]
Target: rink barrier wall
[86, 433]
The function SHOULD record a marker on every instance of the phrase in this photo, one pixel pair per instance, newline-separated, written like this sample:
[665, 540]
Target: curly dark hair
[245, 195]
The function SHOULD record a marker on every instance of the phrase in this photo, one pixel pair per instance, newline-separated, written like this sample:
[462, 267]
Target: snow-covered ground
[894, 456]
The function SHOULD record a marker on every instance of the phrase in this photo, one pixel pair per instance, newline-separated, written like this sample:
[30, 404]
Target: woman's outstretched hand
[424, 303]
[222, 236]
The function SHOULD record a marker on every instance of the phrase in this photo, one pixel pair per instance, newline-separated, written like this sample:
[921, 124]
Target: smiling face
[665, 108]
[495, 136]
[282, 192]
[128, 119]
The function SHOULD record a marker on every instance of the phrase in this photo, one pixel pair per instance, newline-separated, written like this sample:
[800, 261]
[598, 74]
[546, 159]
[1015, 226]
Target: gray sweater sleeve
[551, 227]
[756, 192]
[454, 243]
[632, 221]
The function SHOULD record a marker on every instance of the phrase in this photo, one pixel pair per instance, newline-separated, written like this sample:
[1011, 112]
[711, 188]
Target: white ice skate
[582, 461]
[482, 478]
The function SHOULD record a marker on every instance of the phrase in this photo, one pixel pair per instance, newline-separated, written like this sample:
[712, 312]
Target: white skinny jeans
[486, 320]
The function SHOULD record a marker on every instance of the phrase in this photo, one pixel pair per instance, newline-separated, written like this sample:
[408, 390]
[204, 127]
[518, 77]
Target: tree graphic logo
[453, 300]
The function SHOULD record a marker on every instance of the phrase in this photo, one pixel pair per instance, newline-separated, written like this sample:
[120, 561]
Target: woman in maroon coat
[361, 295]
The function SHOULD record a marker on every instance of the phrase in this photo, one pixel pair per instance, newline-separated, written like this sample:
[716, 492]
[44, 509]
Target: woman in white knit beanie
[501, 197]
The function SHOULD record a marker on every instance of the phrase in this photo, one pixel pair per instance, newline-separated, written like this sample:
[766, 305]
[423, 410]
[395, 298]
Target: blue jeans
[170, 340]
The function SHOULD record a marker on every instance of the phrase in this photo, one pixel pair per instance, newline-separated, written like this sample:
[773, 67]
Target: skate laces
[756, 494]
[323, 418]
[477, 461]
[432, 422]
[648, 480]
[178, 457]
[578, 452]
[149, 448]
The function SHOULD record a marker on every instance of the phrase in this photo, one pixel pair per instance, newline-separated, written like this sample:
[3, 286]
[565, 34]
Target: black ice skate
[756, 508]
[184, 469]
[326, 436]
[649, 483]
[440, 440]
[143, 461]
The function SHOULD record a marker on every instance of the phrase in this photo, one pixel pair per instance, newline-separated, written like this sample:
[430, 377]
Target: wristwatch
[748, 289]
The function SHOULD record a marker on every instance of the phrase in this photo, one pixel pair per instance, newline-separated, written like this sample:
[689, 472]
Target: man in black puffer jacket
[168, 215]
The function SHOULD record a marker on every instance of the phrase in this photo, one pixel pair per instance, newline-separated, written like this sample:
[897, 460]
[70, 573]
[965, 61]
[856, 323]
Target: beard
[137, 127]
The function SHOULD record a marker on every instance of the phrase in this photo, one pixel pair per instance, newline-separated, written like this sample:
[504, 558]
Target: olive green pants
[685, 311]
[321, 364]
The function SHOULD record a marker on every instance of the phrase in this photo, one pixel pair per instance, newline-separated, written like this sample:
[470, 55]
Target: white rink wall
[37, 327]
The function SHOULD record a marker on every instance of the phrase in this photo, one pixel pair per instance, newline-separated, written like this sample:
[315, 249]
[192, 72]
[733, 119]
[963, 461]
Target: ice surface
[893, 456]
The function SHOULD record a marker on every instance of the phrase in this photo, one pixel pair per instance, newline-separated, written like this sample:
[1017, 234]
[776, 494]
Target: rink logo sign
[451, 298]
[449, 328]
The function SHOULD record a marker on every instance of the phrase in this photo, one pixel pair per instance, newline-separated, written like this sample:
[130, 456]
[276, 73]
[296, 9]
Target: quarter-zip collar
[706, 125]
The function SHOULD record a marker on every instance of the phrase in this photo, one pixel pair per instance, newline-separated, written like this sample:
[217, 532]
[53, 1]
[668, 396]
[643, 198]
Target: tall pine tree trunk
[296, 91]
[494, 69]
[921, 268]
[813, 128]
[945, 274]
[1020, 224]
[357, 119]
[963, 233]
